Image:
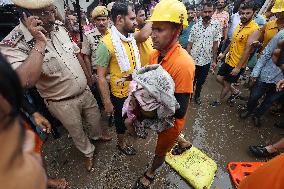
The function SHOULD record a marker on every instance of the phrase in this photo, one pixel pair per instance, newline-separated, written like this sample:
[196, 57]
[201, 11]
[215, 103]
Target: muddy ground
[218, 132]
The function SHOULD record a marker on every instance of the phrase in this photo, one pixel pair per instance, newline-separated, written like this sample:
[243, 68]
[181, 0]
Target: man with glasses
[44, 56]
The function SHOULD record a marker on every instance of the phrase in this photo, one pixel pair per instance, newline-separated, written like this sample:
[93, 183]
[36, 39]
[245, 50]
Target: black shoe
[197, 101]
[127, 150]
[261, 152]
[215, 104]
[256, 121]
[277, 111]
[244, 115]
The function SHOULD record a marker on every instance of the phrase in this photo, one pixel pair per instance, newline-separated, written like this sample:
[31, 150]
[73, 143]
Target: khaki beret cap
[99, 11]
[33, 4]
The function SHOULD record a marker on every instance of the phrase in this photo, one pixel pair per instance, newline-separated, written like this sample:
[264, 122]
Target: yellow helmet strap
[174, 37]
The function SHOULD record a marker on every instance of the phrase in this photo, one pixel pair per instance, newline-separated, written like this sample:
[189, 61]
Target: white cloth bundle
[120, 52]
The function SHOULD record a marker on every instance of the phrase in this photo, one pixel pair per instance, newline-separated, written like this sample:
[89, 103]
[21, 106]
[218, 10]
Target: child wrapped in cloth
[151, 102]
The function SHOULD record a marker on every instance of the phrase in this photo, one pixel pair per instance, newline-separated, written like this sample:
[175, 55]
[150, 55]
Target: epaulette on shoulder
[59, 25]
[60, 28]
[63, 28]
[90, 31]
[58, 22]
[12, 39]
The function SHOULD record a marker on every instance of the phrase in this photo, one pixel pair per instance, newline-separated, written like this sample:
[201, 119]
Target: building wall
[60, 5]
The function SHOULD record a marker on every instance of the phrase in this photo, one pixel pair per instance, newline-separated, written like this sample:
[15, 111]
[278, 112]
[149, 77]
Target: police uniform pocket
[50, 65]
[97, 40]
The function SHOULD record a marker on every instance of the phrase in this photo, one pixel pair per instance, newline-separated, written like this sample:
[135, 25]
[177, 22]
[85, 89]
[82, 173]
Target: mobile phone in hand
[26, 11]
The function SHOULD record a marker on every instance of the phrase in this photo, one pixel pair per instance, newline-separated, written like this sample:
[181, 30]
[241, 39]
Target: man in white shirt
[203, 46]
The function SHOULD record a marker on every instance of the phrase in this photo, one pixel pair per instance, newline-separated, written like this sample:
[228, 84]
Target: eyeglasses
[48, 13]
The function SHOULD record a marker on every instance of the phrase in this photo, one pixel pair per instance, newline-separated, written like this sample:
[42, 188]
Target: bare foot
[185, 144]
[145, 182]
[271, 149]
[182, 142]
[57, 183]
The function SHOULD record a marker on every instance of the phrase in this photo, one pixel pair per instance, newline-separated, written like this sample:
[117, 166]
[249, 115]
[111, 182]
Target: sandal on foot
[261, 151]
[233, 97]
[177, 150]
[140, 185]
[127, 150]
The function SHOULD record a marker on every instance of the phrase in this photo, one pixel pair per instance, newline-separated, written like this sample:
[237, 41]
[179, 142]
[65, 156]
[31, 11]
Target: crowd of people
[140, 66]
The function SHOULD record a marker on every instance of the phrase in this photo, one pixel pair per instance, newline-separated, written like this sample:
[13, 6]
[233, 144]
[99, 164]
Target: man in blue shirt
[265, 75]
[183, 39]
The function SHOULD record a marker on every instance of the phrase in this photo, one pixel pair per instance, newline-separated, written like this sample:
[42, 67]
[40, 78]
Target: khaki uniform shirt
[62, 76]
[91, 40]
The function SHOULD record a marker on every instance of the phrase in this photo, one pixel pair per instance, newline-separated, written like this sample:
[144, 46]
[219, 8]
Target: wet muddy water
[218, 132]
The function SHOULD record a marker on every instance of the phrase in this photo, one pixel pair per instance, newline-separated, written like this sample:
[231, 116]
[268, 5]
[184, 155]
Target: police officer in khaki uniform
[92, 38]
[90, 43]
[43, 55]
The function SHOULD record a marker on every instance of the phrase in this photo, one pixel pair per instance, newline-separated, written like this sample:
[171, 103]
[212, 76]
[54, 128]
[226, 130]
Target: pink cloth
[152, 90]
[88, 27]
[143, 97]
[128, 104]
[222, 18]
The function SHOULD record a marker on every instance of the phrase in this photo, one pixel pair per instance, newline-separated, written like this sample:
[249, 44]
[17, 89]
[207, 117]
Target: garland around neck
[120, 51]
